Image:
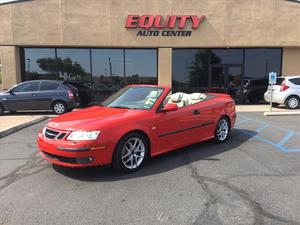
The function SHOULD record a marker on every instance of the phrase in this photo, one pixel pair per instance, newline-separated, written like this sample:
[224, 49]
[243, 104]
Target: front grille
[51, 134]
[61, 136]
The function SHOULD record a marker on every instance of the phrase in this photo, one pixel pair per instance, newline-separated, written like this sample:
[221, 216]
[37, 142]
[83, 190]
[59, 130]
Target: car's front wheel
[59, 107]
[131, 153]
[292, 102]
[222, 130]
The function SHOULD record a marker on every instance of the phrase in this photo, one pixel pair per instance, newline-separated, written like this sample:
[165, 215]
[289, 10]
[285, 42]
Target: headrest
[153, 94]
[176, 97]
[197, 96]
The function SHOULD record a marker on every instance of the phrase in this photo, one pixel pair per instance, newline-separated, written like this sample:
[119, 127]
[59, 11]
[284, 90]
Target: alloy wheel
[133, 153]
[222, 129]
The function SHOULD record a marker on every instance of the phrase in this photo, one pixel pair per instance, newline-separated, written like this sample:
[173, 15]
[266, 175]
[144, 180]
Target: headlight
[83, 135]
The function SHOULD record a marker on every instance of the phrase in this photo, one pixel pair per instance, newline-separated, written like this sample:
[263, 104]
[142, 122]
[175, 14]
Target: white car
[286, 91]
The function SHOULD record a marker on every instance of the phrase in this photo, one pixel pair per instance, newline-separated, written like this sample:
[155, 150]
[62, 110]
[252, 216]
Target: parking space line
[262, 128]
[279, 145]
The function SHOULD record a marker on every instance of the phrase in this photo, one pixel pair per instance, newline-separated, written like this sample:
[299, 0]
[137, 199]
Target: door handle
[196, 112]
[33, 94]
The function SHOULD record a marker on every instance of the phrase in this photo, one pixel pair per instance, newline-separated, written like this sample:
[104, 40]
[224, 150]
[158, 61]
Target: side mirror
[170, 107]
[10, 91]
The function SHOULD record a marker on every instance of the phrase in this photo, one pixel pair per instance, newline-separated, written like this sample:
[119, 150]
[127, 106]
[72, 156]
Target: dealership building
[191, 45]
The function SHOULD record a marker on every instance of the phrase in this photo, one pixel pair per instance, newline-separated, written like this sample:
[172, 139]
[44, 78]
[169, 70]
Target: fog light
[84, 160]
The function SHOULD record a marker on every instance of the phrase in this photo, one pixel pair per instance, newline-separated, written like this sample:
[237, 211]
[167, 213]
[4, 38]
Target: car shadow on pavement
[203, 151]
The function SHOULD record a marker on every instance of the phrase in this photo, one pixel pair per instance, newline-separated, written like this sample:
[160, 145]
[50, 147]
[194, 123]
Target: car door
[48, 90]
[23, 97]
[195, 122]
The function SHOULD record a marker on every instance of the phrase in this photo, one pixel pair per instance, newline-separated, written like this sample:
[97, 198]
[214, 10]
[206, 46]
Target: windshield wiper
[122, 107]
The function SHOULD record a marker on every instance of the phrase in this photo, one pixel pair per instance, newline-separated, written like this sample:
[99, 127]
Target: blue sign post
[272, 81]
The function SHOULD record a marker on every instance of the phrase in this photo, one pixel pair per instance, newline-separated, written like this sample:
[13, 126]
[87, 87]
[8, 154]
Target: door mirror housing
[10, 91]
[170, 107]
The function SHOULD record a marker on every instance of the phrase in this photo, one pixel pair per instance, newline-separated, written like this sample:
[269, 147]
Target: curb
[281, 113]
[21, 126]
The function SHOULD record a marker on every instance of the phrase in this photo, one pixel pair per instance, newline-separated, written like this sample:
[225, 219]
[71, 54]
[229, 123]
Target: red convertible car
[136, 122]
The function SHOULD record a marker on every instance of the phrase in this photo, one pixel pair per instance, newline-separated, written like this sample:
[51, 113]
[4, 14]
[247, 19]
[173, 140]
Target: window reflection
[226, 56]
[105, 71]
[190, 70]
[39, 63]
[108, 71]
[141, 66]
[259, 62]
[74, 64]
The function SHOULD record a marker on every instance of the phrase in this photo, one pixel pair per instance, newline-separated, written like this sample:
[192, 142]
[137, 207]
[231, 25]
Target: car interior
[183, 99]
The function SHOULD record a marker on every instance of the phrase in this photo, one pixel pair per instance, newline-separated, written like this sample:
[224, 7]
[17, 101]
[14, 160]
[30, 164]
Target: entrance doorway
[225, 78]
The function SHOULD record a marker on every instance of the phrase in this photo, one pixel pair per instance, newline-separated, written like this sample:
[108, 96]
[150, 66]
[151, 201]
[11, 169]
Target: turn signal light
[284, 87]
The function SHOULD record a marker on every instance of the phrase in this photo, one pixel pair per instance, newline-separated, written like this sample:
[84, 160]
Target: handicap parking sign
[272, 77]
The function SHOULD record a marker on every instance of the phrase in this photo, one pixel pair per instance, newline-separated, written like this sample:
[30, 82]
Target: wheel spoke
[130, 158]
[124, 156]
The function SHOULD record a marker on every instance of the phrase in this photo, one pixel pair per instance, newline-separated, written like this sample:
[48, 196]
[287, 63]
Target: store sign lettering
[146, 24]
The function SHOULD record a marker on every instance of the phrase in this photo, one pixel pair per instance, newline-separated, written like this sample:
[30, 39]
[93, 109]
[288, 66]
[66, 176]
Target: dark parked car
[253, 90]
[84, 92]
[39, 95]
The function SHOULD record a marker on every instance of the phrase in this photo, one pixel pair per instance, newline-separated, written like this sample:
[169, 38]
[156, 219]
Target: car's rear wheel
[1, 109]
[292, 102]
[59, 107]
[131, 153]
[222, 130]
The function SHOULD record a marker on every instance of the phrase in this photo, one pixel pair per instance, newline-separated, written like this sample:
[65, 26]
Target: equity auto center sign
[174, 25]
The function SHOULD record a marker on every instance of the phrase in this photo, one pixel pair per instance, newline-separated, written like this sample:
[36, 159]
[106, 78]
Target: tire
[275, 104]
[292, 102]
[59, 107]
[222, 130]
[129, 148]
[1, 110]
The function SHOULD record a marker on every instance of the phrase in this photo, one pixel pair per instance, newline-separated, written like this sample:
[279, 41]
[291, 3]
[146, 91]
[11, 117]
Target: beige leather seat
[196, 97]
[179, 98]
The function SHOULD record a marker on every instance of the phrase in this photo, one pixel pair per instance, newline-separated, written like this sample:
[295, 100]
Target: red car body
[165, 131]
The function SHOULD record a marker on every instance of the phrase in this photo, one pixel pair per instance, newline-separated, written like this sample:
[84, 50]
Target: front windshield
[134, 98]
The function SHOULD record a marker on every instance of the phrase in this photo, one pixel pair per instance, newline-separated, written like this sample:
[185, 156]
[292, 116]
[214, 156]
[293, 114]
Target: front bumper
[72, 154]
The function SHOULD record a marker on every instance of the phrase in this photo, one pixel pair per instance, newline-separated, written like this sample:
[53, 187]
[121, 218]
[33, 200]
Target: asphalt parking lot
[251, 179]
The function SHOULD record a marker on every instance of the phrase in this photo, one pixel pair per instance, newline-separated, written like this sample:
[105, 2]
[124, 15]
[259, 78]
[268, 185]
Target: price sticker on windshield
[272, 78]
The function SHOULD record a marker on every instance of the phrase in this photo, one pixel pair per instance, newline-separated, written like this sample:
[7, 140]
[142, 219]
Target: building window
[0, 74]
[108, 71]
[141, 66]
[74, 64]
[226, 56]
[242, 73]
[259, 62]
[39, 63]
[103, 70]
[190, 70]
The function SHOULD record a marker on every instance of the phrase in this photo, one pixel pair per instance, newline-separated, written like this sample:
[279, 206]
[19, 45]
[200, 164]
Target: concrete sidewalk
[12, 123]
[280, 110]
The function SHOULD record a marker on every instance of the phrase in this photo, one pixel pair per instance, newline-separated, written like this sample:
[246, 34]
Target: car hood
[92, 118]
